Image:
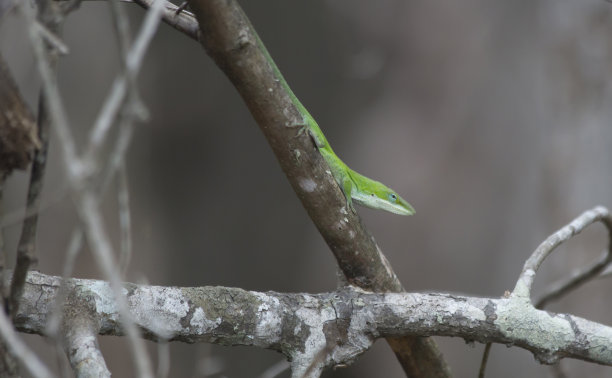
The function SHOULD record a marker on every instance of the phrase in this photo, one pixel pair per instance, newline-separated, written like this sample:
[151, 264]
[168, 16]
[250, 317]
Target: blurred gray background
[493, 118]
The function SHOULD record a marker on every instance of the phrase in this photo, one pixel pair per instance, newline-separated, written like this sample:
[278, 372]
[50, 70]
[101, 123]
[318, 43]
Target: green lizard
[357, 187]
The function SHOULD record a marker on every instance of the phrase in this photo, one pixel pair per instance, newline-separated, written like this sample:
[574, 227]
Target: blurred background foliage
[493, 118]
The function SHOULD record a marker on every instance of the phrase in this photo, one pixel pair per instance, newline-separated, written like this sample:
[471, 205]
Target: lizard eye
[392, 197]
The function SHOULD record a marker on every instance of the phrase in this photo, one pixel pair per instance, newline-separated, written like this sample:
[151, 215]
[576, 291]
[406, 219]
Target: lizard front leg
[347, 189]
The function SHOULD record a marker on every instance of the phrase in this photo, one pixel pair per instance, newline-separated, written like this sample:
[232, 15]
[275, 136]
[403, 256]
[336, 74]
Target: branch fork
[522, 289]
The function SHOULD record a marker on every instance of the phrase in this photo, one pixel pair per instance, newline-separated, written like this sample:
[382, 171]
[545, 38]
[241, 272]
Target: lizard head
[378, 196]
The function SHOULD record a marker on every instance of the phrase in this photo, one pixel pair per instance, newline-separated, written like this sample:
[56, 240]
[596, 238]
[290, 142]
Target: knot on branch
[339, 332]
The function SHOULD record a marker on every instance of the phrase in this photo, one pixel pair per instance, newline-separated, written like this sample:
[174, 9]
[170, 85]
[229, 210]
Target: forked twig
[578, 278]
[522, 290]
[525, 281]
[78, 171]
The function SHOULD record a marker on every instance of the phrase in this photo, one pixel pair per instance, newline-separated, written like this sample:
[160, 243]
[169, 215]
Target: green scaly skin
[363, 190]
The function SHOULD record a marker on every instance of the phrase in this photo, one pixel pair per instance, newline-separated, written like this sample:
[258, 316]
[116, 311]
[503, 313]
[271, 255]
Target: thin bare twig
[52, 328]
[122, 28]
[577, 279]
[132, 64]
[18, 141]
[173, 15]
[87, 203]
[485, 358]
[51, 35]
[125, 223]
[19, 215]
[163, 357]
[557, 370]
[28, 359]
[524, 284]
[58, 117]
[3, 286]
[133, 107]
[117, 155]
[120, 87]
[126, 85]
[26, 249]
[525, 281]
[103, 254]
[182, 20]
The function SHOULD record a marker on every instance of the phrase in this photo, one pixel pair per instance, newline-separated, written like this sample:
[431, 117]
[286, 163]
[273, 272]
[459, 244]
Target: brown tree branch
[230, 40]
[51, 19]
[18, 141]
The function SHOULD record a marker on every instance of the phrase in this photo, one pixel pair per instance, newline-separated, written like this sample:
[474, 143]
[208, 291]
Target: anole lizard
[356, 187]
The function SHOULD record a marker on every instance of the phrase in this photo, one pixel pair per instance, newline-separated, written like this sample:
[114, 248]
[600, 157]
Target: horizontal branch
[325, 329]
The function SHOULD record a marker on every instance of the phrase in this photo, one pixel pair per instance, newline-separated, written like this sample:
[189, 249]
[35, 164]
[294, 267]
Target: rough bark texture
[342, 324]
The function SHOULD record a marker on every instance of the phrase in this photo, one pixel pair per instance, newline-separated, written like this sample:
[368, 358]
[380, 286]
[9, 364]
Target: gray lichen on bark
[317, 331]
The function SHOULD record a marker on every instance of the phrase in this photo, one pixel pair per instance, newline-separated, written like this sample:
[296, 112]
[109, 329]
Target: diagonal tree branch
[230, 40]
